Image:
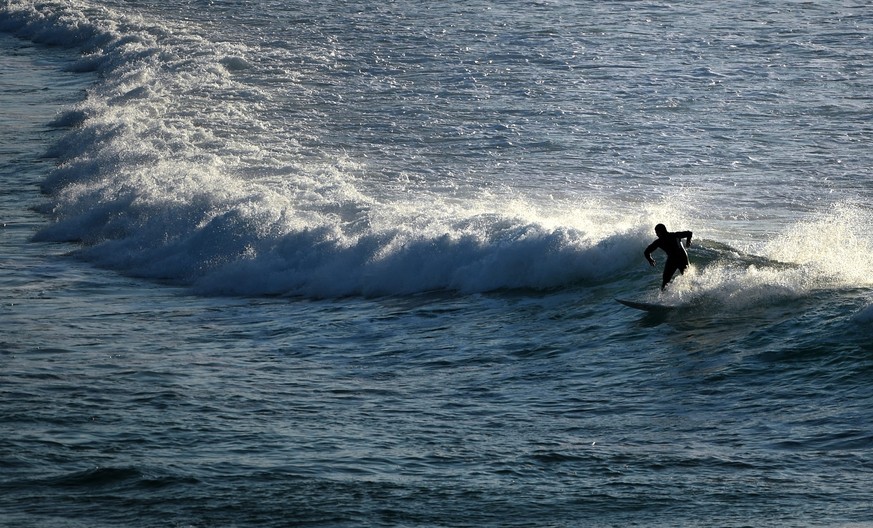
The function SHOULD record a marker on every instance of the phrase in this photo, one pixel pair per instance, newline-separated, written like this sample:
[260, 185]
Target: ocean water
[348, 263]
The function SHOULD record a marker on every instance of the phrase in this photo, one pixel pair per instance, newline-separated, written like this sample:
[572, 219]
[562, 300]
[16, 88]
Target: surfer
[671, 243]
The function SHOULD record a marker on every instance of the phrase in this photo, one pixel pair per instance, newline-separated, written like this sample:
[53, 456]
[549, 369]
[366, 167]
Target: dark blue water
[254, 272]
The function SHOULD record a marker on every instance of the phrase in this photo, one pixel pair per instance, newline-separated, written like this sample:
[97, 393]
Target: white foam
[736, 287]
[835, 245]
[497, 253]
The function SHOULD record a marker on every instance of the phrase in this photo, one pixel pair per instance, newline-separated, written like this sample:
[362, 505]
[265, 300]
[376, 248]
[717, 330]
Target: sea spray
[835, 245]
[830, 249]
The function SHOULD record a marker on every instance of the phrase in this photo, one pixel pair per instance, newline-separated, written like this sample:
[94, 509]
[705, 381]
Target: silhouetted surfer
[671, 243]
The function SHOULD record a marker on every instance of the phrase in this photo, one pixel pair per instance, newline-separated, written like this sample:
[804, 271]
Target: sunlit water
[355, 265]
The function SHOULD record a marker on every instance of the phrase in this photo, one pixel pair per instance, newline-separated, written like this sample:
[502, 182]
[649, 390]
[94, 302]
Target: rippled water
[354, 265]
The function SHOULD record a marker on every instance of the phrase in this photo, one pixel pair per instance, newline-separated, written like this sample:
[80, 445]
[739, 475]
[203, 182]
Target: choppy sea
[347, 263]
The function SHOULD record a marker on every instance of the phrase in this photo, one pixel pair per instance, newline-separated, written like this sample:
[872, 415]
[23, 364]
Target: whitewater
[275, 263]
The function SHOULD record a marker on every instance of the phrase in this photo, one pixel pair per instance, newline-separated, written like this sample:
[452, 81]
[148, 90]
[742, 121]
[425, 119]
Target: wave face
[268, 162]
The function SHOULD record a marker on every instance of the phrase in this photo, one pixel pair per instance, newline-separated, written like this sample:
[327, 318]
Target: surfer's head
[660, 230]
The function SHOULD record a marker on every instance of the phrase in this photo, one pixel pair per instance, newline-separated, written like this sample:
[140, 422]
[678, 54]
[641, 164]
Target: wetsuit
[677, 257]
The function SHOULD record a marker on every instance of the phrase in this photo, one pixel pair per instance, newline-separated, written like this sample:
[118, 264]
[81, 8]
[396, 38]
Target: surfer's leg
[669, 269]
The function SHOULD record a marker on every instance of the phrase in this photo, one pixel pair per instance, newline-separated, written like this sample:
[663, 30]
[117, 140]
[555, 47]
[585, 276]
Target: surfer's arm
[648, 252]
[686, 235]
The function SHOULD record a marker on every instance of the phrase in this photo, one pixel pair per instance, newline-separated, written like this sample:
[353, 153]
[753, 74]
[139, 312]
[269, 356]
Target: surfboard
[646, 306]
